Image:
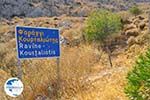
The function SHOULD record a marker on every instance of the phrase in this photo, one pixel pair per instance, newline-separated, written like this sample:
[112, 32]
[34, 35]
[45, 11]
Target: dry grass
[124, 15]
[4, 28]
[75, 62]
[106, 88]
[38, 75]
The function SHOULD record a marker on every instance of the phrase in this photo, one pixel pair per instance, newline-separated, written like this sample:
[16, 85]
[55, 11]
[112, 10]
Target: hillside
[38, 8]
[85, 70]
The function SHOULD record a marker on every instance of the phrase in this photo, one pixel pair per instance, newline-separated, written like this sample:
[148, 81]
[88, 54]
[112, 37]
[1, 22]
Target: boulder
[142, 25]
[129, 27]
[126, 21]
[136, 21]
[132, 32]
[141, 17]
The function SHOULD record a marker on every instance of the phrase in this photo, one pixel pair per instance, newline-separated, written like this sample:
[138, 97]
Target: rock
[136, 21]
[56, 18]
[142, 25]
[146, 20]
[126, 21]
[146, 27]
[41, 97]
[11, 8]
[131, 41]
[64, 41]
[27, 22]
[83, 12]
[65, 24]
[36, 12]
[141, 17]
[132, 32]
[129, 27]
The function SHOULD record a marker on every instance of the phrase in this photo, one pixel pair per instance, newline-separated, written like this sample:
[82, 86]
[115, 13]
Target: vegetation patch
[138, 87]
[100, 24]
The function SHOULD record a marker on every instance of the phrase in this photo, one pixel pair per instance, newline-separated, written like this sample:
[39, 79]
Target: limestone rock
[142, 25]
[141, 17]
[129, 27]
[132, 32]
[131, 41]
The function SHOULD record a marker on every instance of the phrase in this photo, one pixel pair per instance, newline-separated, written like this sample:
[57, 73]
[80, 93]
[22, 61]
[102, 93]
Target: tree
[138, 86]
[101, 24]
[135, 10]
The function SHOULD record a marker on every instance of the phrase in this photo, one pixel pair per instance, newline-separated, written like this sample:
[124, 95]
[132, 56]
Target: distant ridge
[38, 8]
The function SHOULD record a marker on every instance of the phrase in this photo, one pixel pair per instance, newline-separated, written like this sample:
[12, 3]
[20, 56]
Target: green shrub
[100, 24]
[135, 10]
[138, 86]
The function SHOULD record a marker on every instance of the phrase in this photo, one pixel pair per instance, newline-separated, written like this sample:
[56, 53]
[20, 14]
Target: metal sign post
[58, 78]
[19, 69]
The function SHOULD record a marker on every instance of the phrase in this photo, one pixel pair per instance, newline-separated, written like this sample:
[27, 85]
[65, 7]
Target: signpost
[35, 43]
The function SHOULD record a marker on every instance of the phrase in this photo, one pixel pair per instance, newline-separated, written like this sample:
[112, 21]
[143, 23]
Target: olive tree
[101, 24]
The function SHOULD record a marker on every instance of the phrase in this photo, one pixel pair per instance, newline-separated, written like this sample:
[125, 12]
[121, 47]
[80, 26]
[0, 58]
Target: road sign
[37, 42]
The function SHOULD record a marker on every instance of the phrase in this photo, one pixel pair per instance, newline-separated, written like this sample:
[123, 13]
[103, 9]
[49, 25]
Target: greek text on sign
[37, 42]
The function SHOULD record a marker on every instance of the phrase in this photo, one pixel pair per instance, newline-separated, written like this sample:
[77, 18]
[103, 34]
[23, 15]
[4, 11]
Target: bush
[100, 24]
[138, 86]
[135, 10]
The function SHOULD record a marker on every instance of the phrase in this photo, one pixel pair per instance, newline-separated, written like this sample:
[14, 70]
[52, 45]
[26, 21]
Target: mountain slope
[38, 8]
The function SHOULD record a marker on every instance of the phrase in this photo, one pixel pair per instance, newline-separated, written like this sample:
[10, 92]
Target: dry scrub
[39, 76]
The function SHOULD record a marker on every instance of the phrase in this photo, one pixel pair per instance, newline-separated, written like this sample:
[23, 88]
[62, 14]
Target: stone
[64, 41]
[83, 12]
[129, 27]
[131, 41]
[55, 18]
[141, 17]
[136, 21]
[132, 32]
[41, 97]
[65, 24]
[36, 12]
[146, 20]
[142, 25]
[126, 21]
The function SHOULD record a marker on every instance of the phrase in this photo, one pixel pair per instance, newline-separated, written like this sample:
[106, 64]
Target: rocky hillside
[85, 71]
[38, 8]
